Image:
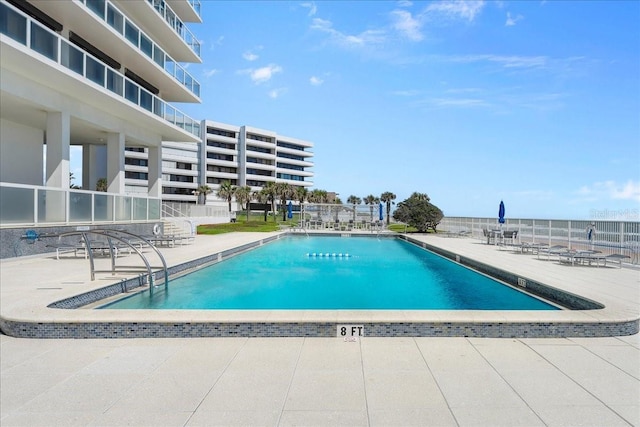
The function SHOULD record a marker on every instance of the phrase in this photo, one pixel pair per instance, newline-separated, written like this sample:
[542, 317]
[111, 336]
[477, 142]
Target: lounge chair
[576, 256]
[589, 257]
[534, 248]
[555, 250]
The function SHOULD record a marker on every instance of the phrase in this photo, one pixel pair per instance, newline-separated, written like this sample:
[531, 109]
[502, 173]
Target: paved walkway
[322, 381]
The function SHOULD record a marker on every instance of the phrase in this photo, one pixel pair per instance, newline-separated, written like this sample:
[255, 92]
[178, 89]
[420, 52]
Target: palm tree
[226, 192]
[204, 190]
[102, 185]
[270, 192]
[243, 195]
[371, 200]
[354, 200]
[73, 186]
[302, 194]
[284, 191]
[388, 198]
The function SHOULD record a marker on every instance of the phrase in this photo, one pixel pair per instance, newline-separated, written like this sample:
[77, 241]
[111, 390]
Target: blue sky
[536, 103]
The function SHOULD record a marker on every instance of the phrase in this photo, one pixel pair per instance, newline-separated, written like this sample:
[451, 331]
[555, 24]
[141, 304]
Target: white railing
[39, 38]
[112, 16]
[190, 210]
[606, 236]
[176, 24]
[29, 205]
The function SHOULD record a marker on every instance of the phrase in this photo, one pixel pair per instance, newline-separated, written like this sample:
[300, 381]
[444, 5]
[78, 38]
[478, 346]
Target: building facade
[101, 74]
[242, 155]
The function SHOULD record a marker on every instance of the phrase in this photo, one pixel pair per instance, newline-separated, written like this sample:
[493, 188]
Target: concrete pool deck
[30, 285]
[318, 381]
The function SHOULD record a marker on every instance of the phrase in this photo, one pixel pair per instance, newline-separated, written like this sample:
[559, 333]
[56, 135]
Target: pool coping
[55, 322]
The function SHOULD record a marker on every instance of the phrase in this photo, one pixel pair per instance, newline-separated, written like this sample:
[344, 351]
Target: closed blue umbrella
[290, 210]
[501, 213]
[380, 216]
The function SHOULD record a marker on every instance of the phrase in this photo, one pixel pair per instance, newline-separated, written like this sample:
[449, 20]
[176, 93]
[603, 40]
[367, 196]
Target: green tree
[102, 185]
[73, 186]
[388, 198]
[302, 194]
[244, 196]
[284, 191]
[271, 193]
[418, 212]
[354, 200]
[371, 200]
[226, 192]
[202, 190]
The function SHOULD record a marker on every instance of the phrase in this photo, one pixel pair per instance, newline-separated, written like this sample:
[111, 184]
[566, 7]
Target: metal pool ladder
[117, 235]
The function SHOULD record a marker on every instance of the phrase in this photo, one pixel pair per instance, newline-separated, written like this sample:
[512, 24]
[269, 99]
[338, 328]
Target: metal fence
[621, 237]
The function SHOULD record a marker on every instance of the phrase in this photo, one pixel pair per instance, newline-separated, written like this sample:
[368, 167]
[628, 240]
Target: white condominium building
[100, 74]
[249, 156]
[242, 155]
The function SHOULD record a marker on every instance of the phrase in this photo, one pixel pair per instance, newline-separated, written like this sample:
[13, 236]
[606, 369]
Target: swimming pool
[336, 273]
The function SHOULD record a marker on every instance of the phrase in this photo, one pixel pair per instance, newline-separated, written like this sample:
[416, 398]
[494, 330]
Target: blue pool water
[377, 274]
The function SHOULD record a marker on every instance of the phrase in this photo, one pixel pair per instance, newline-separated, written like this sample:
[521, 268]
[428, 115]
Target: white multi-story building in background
[242, 155]
[100, 74]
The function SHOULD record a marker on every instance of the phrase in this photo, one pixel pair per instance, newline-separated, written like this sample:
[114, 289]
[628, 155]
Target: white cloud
[405, 3]
[629, 190]
[363, 39]
[505, 61]
[261, 75]
[511, 20]
[210, 73]
[276, 93]
[250, 56]
[457, 8]
[316, 81]
[311, 6]
[405, 92]
[407, 25]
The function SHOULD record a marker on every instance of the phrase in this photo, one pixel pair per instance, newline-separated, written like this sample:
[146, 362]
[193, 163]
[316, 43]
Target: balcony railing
[110, 14]
[30, 205]
[176, 23]
[40, 39]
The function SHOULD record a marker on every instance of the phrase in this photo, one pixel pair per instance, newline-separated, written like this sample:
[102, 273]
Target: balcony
[106, 11]
[189, 10]
[124, 41]
[171, 18]
[50, 46]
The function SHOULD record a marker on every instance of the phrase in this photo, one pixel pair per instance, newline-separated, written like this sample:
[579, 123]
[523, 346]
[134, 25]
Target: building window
[259, 138]
[218, 156]
[288, 166]
[136, 175]
[291, 146]
[259, 149]
[214, 131]
[258, 172]
[290, 156]
[184, 166]
[221, 145]
[259, 161]
[136, 162]
[213, 180]
[290, 177]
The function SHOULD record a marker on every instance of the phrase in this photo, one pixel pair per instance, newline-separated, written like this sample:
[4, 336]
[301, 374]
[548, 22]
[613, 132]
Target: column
[58, 138]
[155, 171]
[94, 165]
[115, 163]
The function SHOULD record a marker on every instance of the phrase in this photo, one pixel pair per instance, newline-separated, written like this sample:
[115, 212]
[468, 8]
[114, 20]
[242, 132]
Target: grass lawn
[256, 223]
